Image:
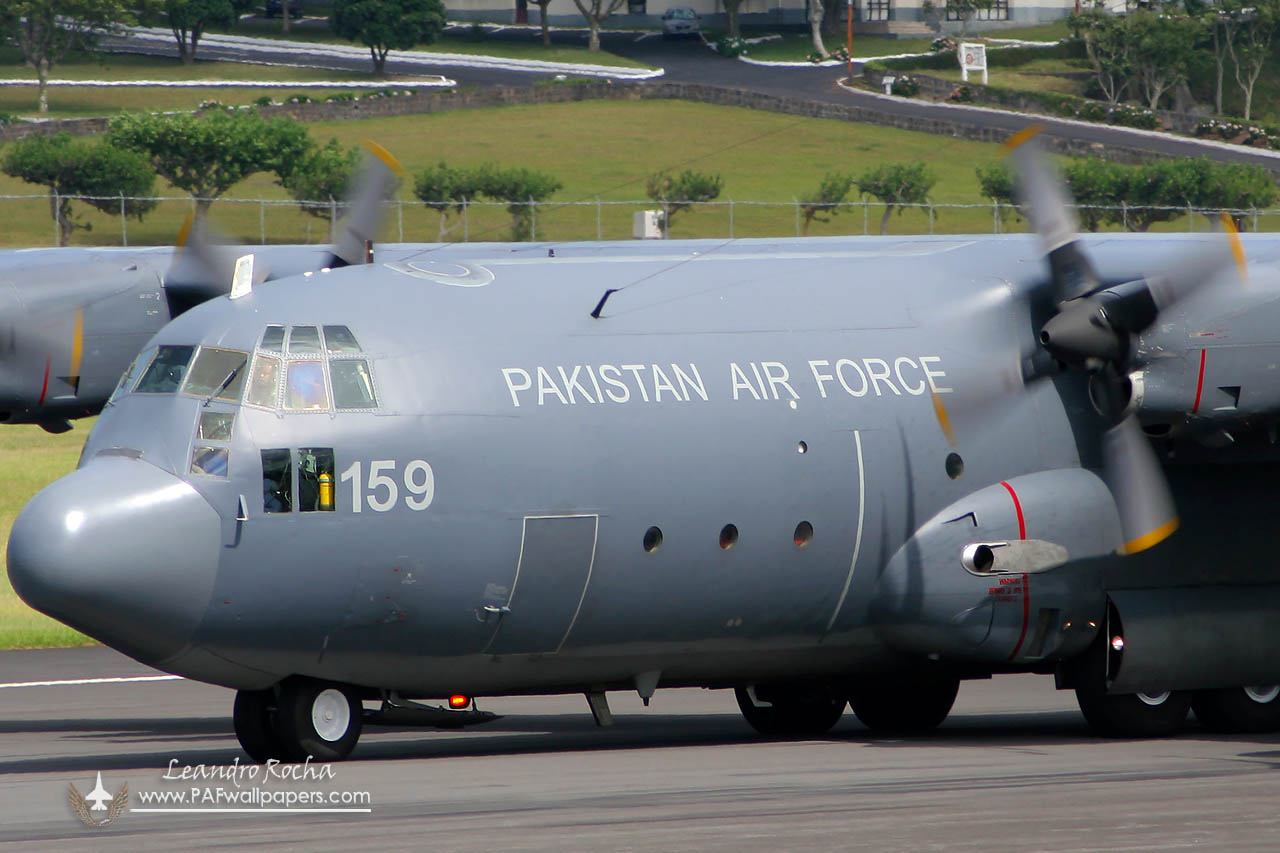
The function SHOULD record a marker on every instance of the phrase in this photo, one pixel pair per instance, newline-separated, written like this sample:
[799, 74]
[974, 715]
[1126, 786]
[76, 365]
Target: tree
[519, 188]
[1164, 48]
[321, 177]
[815, 16]
[1251, 48]
[386, 25]
[112, 179]
[678, 192]
[206, 155]
[826, 199]
[188, 19]
[542, 18]
[1101, 188]
[446, 189]
[1109, 46]
[46, 30]
[596, 12]
[897, 184]
[731, 8]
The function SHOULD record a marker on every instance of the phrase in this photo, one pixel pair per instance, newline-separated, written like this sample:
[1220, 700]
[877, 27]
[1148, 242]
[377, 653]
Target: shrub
[731, 47]
[905, 87]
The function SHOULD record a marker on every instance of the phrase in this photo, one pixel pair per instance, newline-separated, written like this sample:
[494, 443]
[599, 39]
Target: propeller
[204, 264]
[1089, 329]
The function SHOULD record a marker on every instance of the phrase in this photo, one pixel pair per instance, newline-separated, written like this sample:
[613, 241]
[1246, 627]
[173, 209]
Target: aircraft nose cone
[121, 550]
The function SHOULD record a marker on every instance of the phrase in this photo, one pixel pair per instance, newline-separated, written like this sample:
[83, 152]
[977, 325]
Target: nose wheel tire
[904, 705]
[789, 711]
[254, 720]
[1239, 709]
[318, 719]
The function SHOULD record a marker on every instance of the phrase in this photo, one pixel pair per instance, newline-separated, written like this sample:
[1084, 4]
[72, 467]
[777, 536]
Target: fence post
[864, 217]
[57, 219]
[598, 223]
[931, 220]
[995, 216]
[262, 222]
[797, 203]
[400, 218]
[1255, 220]
[533, 220]
[124, 223]
[730, 219]
[466, 221]
[1124, 214]
[1191, 219]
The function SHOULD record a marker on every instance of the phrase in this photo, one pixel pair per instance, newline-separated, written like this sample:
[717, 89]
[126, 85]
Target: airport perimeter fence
[26, 220]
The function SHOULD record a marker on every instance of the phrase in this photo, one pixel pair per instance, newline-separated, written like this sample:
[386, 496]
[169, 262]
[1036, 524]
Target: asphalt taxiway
[1013, 768]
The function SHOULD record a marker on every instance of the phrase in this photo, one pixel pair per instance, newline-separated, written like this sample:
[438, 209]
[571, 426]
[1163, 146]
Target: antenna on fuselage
[603, 299]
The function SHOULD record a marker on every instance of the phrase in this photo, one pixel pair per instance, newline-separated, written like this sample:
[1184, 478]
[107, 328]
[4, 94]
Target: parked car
[274, 8]
[679, 21]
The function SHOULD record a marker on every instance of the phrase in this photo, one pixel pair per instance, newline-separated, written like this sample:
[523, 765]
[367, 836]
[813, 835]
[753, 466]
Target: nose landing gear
[300, 719]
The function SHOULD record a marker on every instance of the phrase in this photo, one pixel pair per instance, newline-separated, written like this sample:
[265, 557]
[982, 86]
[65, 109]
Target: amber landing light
[457, 700]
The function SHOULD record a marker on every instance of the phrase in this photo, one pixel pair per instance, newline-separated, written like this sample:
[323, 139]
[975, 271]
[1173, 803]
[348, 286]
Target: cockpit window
[273, 338]
[277, 480]
[166, 370]
[131, 375]
[352, 384]
[304, 339]
[210, 461]
[264, 387]
[339, 340]
[305, 388]
[215, 426]
[217, 373]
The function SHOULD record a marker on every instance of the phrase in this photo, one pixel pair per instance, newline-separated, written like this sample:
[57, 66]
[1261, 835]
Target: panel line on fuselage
[857, 536]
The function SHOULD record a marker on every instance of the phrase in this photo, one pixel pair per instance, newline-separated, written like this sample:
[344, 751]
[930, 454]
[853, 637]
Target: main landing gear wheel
[1133, 714]
[904, 704]
[254, 720]
[1239, 709]
[317, 719]
[789, 709]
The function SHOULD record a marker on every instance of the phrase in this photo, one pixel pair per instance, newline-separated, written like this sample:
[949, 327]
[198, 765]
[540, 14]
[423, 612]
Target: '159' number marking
[383, 489]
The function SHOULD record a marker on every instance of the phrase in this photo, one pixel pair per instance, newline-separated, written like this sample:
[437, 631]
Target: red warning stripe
[1017, 506]
[44, 389]
[1199, 383]
[1026, 582]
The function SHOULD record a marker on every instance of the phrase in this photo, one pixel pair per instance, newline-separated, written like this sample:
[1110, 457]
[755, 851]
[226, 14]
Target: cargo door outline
[536, 584]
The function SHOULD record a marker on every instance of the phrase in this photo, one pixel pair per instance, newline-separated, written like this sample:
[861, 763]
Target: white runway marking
[77, 681]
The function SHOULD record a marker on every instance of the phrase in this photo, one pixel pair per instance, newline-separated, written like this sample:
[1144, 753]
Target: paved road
[690, 61]
[1013, 769]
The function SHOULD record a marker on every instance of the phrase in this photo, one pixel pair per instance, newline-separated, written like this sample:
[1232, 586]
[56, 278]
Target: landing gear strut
[790, 709]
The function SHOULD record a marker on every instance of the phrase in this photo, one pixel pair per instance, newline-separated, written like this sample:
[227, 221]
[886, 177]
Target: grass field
[30, 458]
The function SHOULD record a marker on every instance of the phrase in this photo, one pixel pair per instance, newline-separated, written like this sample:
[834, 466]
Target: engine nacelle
[997, 577]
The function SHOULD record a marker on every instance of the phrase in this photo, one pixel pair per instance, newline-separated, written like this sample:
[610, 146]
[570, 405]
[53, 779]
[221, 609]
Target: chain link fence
[26, 220]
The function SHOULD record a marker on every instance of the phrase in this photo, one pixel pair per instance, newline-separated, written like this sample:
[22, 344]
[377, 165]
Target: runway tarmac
[1013, 768]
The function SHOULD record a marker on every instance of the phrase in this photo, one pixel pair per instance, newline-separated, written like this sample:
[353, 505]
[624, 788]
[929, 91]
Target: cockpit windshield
[165, 373]
[217, 373]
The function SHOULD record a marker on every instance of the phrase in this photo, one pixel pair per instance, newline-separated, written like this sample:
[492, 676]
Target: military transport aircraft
[72, 319]
[819, 472]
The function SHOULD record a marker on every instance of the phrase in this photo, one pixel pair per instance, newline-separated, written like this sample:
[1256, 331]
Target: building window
[998, 10]
[877, 10]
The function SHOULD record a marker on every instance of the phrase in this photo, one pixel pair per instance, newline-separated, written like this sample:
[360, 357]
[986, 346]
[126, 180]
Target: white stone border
[435, 82]
[153, 35]
[1140, 131]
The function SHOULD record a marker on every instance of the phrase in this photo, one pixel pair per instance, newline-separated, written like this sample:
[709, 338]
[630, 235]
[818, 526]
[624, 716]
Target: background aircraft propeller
[203, 264]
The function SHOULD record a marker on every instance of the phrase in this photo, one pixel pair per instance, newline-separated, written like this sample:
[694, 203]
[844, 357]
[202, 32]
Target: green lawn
[30, 458]
[796, 46]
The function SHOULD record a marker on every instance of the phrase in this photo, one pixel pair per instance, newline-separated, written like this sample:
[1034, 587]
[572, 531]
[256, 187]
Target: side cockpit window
[273, 339]
[315, 479]
[338, 340]
[277, 480]
[264, 385]
[167, 370]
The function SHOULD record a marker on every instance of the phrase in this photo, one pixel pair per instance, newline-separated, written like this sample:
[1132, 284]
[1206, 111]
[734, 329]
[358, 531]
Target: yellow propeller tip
[385, 156]
[1021, 137]
[184, 233]
[1237, 247]
[1150, 539]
